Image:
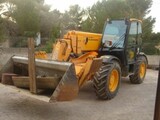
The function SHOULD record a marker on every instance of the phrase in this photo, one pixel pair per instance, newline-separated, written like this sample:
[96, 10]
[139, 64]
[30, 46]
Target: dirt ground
[133, 102]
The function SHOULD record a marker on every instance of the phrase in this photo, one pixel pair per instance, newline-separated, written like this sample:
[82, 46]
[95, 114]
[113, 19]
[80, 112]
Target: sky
[63, 5]
[155, 9]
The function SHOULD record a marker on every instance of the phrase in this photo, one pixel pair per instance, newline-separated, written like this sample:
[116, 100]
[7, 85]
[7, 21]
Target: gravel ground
[133, 102]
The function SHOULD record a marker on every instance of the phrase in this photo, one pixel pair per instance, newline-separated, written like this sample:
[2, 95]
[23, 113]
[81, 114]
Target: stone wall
[7, 53]
[153, 61]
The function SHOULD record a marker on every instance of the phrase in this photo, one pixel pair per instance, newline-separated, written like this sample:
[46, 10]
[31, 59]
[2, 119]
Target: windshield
[115, 33]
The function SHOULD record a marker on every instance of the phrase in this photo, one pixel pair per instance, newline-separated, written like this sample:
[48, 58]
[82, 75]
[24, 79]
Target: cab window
[132, 33]
[139, 33]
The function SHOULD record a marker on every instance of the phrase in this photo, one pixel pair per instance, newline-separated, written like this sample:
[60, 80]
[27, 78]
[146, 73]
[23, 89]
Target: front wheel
[140, 71]
[107, 81]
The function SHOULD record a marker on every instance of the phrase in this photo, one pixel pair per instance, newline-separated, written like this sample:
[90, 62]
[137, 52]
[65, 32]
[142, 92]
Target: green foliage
[1, 31]
[33, 16]
[21, 43]
[55, 33]
[150, 49]
[29, 33]
[116, 9]
[76, 15]
[49, 21]
[139, 8]
[147, 27]
[26, 15]
[87, 25]
[155, 38]
[149, 46]
[72, 19]
[49, 45]
[98, 14]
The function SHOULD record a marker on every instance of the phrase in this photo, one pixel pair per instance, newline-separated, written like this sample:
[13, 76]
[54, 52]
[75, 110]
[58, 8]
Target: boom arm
[79, 48]
[77, 43]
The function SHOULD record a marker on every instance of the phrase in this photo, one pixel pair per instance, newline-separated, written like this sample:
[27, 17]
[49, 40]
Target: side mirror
[127, 21]
[109, 21]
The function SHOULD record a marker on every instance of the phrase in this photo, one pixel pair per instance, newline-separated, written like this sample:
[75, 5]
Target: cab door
[134, 41]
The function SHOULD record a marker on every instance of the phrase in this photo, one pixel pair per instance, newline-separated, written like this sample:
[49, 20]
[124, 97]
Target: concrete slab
[153, 61]
[133, 102]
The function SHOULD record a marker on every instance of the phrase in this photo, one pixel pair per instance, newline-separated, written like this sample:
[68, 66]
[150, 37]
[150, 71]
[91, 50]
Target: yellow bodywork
[41, 55]
[142, 70]
[79, 48]
[113, 80]
[62, 50]
[83, 41]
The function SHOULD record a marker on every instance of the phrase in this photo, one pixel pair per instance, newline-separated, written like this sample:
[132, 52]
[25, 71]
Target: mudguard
[109, 58]
[144, 55]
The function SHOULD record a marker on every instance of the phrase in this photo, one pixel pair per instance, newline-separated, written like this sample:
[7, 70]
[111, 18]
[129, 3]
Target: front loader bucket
[62, 76]
[67, 88]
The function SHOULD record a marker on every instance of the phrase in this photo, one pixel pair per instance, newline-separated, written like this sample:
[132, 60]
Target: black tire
[136, 78]
[101, 81]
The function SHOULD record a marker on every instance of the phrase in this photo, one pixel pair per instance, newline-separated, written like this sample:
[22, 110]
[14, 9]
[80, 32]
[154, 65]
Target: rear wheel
[107, 80]
[140, 71]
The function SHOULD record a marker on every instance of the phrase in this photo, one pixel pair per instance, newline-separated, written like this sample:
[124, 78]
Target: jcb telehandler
[103, 58]
[119, 48]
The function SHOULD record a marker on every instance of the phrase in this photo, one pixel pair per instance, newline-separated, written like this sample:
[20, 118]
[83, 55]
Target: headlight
[108, 43]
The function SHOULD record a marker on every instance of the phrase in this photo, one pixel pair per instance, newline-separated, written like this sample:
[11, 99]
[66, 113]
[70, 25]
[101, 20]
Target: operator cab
[114, 34]
[122, 39]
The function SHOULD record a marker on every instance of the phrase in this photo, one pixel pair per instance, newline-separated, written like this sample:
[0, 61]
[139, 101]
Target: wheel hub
[142, 70]
[113, 80]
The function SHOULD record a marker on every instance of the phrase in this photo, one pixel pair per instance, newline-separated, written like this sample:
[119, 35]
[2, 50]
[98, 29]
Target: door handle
[86, 41]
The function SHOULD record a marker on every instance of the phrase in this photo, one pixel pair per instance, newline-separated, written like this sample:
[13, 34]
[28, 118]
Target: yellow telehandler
[102, 58]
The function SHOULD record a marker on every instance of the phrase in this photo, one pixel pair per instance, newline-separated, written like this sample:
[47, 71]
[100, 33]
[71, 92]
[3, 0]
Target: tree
[139, 8]
[99, 12]
[152, 45]
[26, 15]
[147, 27]
[116, 9]
[1, 30]
[76, 15]
[48, 20]
[7, 26]
[72, 19]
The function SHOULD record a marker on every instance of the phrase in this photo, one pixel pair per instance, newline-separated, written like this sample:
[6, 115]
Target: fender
[109, 58]
[144, 55]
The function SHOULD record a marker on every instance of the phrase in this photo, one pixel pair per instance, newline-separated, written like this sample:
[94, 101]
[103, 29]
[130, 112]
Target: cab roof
[134, 19]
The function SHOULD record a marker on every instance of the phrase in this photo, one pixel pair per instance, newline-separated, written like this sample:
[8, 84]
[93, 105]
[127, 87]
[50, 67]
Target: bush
[21, 43]
[149, 49]
[49, 45]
